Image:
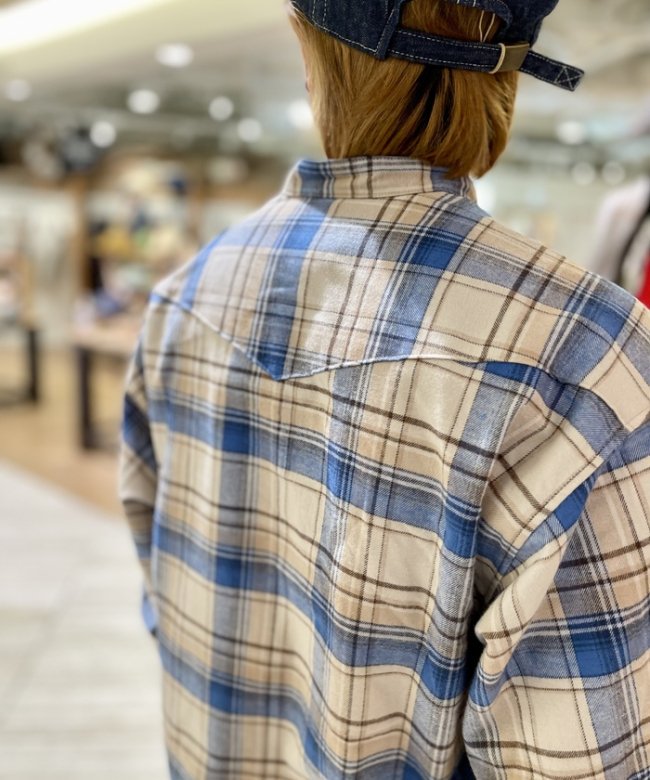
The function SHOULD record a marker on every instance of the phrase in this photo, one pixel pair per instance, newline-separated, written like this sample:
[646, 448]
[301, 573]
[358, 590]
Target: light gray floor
[79, 676]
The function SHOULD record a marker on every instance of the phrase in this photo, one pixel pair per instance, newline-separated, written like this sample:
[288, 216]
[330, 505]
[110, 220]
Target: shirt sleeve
[562, 687]
[138, 476]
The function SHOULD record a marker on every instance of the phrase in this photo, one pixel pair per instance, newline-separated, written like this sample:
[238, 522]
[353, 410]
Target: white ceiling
[246, 49]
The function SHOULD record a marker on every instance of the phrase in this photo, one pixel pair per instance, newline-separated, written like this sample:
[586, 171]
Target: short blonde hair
[453, 119]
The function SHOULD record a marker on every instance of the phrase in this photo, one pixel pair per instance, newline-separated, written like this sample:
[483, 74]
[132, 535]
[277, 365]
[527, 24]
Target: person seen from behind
[387, 462]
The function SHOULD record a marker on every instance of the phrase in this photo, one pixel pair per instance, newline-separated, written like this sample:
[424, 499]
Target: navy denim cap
[373, 26]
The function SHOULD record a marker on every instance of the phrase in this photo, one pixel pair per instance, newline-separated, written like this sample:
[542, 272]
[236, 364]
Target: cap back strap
[484, 57]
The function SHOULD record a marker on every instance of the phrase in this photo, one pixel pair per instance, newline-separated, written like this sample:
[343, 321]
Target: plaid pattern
[387, 466]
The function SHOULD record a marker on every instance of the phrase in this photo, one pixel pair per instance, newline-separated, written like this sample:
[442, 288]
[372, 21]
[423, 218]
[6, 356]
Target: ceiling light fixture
[222, 108]
[143, 101]
[583, 173]
[300, 115]
[571, 132]
[250, 130]
[175, 55]
[34, 22]
[613, 173]
[103, 134]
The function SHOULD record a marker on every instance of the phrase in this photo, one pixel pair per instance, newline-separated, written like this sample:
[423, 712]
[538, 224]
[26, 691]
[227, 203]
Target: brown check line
[511, 471]
[402, 268]
[607, 597]
[183, 741]
[182, 619]
[407, 478]
[607, 579]
[528, 683]
[454, 352]
[354, 575]
[321, 699]
[568, 754]
[622, 499]
[643, 388]
[515, 691]
[282, 726]
[589, 544]
[529, 270]
[390, 415]
[528, 774]
[341, 620]
[440, 749]
[306, 269]
[370, 233]
[418, 608]
[421, 341]
[558, 625]
[531, 308]
[367, 578]
[539, 508]
[310, 560]
[408, 230]
[271, 261]
[547, 413]
[455, 279]
[262, 228]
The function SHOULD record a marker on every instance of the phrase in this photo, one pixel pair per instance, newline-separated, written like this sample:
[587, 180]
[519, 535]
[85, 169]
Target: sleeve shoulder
[569, 632]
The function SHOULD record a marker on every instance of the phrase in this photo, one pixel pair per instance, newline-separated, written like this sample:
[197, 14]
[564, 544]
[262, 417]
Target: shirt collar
[371, 177]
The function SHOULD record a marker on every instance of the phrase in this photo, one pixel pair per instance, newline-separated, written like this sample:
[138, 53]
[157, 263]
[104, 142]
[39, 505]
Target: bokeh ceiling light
[34, 22]
[614, 173]
[572, 133]
[175, 55]
[300, 115]
[103, 134]
[143, 101]
[222, 108]
[250, 130]
[583, 173]
[18, 90]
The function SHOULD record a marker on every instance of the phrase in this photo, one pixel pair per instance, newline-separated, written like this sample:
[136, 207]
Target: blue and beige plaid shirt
[387, 466]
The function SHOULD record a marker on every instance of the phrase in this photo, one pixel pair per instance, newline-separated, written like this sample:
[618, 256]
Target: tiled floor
[79, 676]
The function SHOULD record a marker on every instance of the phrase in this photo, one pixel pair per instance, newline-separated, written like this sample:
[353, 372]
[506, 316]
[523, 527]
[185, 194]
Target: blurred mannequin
[623, 235]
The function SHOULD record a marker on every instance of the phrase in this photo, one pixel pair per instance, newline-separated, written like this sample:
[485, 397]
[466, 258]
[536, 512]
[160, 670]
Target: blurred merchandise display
[143, 216]
[16, 314]
[138, 230]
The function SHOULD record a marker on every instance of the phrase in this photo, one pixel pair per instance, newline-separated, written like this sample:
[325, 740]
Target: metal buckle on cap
[512, 57]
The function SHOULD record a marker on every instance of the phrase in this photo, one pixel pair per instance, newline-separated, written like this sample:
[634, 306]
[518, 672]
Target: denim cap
[374, 26]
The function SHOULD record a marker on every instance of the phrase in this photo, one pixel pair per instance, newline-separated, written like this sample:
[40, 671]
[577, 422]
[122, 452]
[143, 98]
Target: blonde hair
[453, 119]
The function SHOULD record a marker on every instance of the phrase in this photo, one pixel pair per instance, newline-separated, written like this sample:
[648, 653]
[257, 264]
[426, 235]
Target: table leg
[33, 368]
[86, 433]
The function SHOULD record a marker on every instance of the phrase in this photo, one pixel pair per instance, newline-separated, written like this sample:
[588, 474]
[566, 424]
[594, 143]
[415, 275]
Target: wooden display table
[115, 339]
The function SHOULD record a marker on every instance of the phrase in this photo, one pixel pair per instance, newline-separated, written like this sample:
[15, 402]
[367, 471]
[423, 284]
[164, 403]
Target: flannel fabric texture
[387, 468]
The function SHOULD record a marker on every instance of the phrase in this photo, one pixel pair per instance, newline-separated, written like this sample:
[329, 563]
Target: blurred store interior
[132, 131]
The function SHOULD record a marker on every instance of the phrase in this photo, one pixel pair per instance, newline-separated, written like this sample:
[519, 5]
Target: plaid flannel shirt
[387, 466]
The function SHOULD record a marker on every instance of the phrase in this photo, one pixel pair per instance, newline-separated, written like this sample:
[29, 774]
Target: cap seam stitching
[466, 65]
[343, 38]
[450, 41]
